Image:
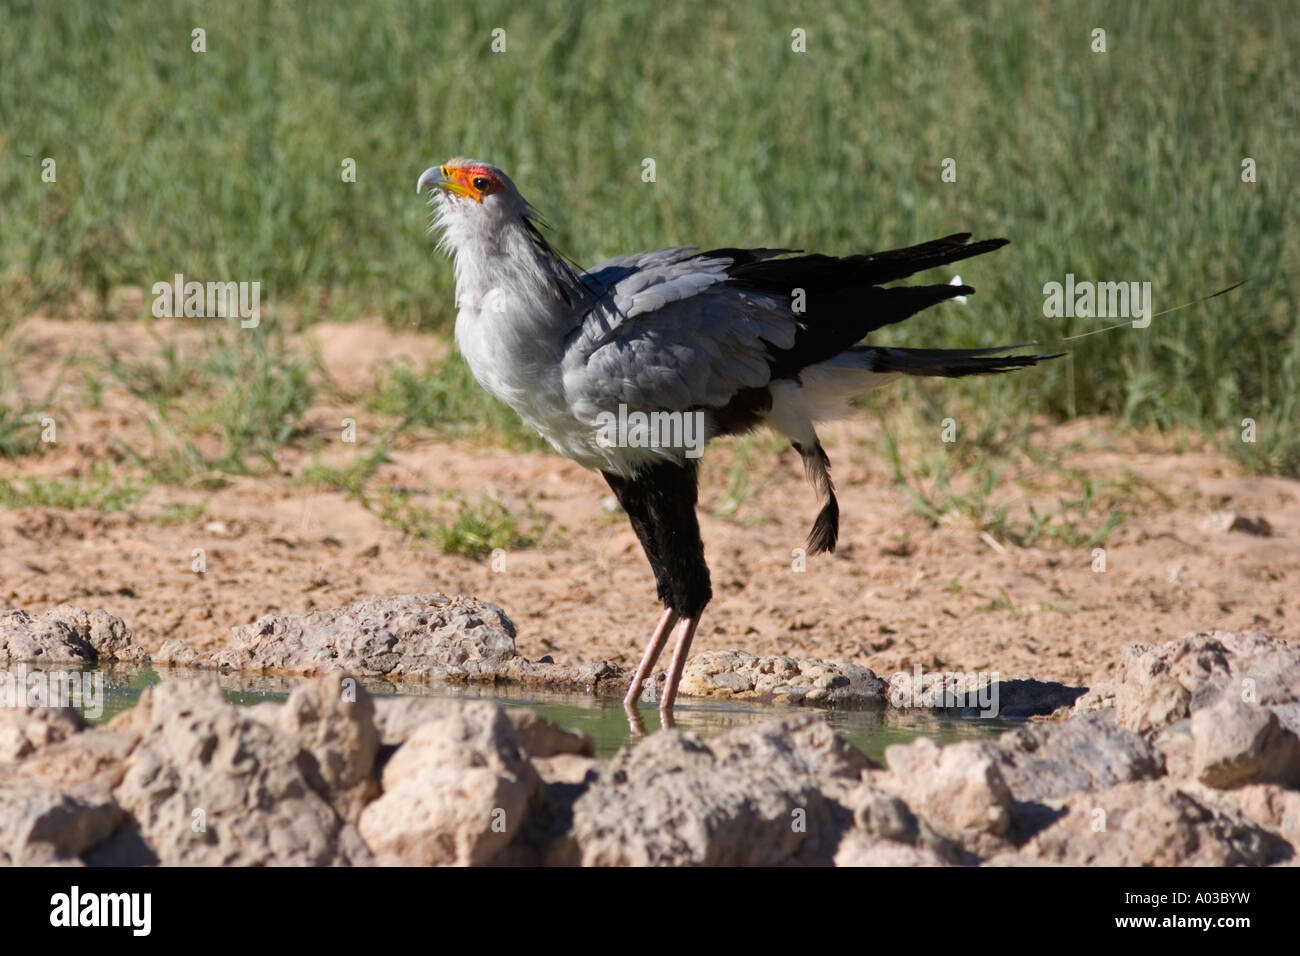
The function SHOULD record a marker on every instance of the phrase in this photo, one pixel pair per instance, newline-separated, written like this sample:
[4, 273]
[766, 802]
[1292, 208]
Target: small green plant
[1001, 601]
[455, 526]
[98, 491]
[20, 418]
[350, 479]
[940, 496]
[471, 531]
[20, 431]
[179, 513]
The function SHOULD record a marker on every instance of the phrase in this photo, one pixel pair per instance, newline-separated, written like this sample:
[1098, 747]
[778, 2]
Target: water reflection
[605, 719]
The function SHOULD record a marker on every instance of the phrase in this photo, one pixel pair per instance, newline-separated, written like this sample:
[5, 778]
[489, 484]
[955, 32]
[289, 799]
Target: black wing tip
[955, 363]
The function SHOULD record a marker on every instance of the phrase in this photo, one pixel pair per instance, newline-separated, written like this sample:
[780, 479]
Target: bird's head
[468, 193]
[485, 222]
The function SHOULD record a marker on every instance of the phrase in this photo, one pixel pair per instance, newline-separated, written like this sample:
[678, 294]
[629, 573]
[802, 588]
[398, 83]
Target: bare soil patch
[901, 590]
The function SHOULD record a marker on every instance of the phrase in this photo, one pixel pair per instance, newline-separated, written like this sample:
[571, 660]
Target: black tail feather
[949, 363]
[841, 300]
[762, 270]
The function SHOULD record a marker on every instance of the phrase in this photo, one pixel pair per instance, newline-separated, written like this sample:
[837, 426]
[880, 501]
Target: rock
[1050, 761]
[1152, 823]
[1255, 526]
[859, 849]
[565, 768]
[751, 796]
[42, 824]
[1175, 744]
[958, 789]
[599, 677]
[1148, 696]
[456, 791]
[540, 738]
[1235, 743]
[97, 756]
[1273, 807]
[1288, 714]
[397, 717]
[1223, 521]
[732, 682]
[414, 636]
[1099, 696]
[974, 695]
[25, 729]
[176, 652]
[1189, 756]
[207, 785]
[805, 740]
[887, 833]
[434, 637]
[67, 635]
[1158, 685]
[333, 719]
[107, 633]
[783, 680]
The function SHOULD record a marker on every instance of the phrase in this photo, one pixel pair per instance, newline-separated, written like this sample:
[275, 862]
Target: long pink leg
[652, 651]
[685, 634]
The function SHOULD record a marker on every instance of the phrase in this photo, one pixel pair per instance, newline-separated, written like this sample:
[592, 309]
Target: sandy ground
[899, 592]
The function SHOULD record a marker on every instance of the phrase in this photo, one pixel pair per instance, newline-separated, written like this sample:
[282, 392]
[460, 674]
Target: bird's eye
[482, 183]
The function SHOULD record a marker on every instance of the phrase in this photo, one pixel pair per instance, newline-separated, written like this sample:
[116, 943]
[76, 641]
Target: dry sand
[899, 592]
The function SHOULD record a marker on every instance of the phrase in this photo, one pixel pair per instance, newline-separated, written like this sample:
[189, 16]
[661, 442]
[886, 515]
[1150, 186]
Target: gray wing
[668, 333]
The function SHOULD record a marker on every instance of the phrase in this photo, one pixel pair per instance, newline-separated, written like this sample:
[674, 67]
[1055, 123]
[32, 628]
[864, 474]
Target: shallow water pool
[602, 718]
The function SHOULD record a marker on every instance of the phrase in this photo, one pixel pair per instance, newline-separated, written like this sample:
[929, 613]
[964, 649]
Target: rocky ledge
[432, 637]
[1189, 757]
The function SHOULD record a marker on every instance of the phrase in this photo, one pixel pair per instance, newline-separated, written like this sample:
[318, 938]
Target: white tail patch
[960, 299]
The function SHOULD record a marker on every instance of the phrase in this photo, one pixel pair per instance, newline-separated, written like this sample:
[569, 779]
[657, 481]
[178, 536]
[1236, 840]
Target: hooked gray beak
[431, 177]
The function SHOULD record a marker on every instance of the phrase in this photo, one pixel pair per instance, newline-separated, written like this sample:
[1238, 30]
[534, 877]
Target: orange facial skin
[476, 182]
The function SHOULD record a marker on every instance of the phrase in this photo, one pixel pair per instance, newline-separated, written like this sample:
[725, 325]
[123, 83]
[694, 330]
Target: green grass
[746, 452]
[1124, 165]
[446, 398]
[472, 531]
[966, 481]
[179, 513]
[241, 387]
[454, 526]
[1003, 602]
[22, 430]
[101, 490]
[351, 479]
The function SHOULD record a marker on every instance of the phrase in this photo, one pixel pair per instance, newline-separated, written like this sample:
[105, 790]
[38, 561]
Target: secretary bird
[732, 338]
